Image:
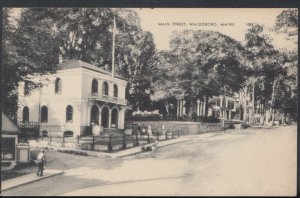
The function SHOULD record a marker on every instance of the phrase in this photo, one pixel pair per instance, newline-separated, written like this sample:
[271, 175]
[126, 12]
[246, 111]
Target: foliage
[34, 44]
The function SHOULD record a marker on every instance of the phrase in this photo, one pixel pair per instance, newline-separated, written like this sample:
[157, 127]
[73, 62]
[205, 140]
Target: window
[26, 88]
[68, 134]
[44, 133]
[95, 115]
[94, 86]
[230, 105]
[218, 102]
[105, 88]
[69, 113]
[115, 90]
[7, 148]
[58, 86]
[25, 114]
[44, 114]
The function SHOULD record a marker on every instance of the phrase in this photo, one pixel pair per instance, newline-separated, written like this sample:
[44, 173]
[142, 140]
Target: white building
[219, 108]
[78, 96]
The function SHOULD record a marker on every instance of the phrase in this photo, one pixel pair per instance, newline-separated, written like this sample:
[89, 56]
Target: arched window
[115, 90]
[105, 88]
[114, 118]
[95, 114]
[26, 88]
[25, 114]
[94, 86]
[44, 114]
[69, 113]
[58, 86]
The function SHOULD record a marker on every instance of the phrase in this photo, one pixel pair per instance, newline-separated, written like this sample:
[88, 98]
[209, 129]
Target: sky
[237, 20]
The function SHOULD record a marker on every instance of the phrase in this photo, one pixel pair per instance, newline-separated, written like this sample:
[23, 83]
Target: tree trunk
[167, 107]
[206, 106]
[273, 100]
[252, 120]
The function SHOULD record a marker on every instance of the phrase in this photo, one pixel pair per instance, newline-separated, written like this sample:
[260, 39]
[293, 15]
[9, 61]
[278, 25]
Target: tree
[28, 49]
[42, 34]
[207, 62]
[287, 23]
[263, 65]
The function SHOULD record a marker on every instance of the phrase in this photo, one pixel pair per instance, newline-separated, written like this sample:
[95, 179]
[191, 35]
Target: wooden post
[78, 139]
[172, 134]
[166, 135]
[93, 143]
[137, 138]
[148, 140]
[110, 144]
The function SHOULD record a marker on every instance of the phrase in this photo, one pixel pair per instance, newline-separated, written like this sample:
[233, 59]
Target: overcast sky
[150, 19]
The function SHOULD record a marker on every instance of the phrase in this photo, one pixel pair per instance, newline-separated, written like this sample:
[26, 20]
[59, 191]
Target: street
[249, 162]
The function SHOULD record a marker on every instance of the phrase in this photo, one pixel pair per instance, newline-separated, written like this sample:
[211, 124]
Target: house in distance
[79, 96]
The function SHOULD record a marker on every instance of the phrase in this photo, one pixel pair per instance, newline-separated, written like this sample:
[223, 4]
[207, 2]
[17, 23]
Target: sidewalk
[122, 153]
[135, 150]
[29, 178]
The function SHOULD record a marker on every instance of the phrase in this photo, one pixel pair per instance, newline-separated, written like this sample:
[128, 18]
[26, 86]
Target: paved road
[249, 162]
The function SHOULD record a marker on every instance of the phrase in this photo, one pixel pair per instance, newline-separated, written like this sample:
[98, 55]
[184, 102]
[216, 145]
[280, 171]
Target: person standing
[41, 161]
[139, 129]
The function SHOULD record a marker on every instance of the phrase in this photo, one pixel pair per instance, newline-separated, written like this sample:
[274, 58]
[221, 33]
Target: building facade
[219, 107]
[77, 97]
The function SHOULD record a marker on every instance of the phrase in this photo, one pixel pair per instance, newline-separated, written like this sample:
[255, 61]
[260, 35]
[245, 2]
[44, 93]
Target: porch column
[201, 109]
[204, 106]
[178, 107]
[121, 118]
[183, 107]
[109, 118]
[229, 114]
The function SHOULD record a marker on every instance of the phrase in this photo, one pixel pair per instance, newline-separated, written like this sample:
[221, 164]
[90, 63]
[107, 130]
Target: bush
[74, 152]
[145, 116]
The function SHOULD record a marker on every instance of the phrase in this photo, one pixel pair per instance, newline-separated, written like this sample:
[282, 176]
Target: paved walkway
[29, 178]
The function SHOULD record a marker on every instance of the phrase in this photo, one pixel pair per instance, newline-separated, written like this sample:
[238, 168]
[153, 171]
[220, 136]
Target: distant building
[79, 96]
[9, 140]
[218, 107]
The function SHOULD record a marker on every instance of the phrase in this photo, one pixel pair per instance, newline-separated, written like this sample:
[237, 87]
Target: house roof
[8, 127]
[71, 64]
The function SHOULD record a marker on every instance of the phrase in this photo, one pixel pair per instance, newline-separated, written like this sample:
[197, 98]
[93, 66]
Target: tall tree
[287, 23]
[208, 62]
[43, 34]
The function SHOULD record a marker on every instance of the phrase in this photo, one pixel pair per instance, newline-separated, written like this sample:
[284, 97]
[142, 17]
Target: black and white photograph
[112, 101]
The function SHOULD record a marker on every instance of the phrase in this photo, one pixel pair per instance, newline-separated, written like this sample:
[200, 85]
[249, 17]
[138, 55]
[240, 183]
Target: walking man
[41, 161]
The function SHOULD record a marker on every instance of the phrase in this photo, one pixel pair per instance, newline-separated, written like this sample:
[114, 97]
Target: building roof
[71, 64]
[8, 127]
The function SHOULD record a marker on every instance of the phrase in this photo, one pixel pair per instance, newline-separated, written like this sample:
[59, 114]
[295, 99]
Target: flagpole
[113, 50]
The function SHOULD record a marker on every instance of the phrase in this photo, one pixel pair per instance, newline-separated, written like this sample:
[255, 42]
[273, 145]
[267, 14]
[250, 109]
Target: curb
[157, 147]
[32, 181]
